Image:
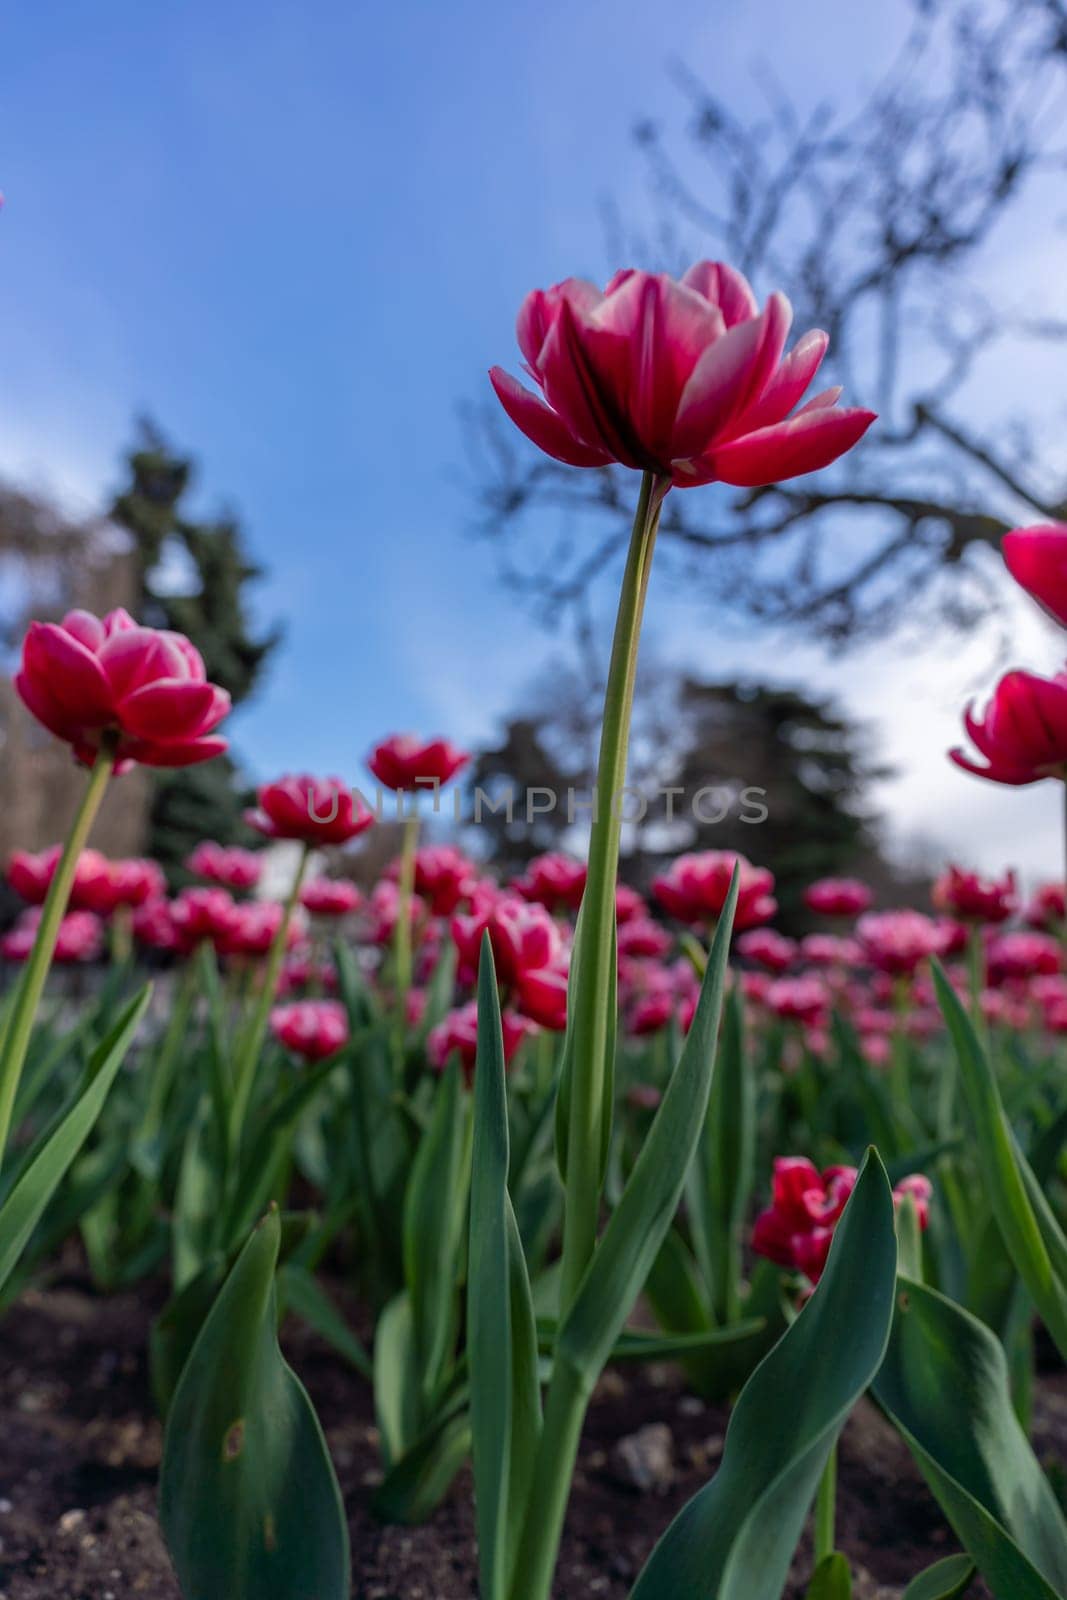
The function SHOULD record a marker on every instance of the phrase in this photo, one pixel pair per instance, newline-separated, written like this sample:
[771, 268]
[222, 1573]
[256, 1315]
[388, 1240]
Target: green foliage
[944, 1384]
[735, 1539]
[249, 1502]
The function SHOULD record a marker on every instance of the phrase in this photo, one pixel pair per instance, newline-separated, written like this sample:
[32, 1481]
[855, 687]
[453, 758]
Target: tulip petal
[40, 704]
[1037, 559]
[719, 379]
[1015, 777]
[789, 382]
[573, 391]
[788, 449]
[179, 752]
[543, 426]
[540, 308]
[135, 657]
[68, 673]
[87, 629]
[171, 710]
[724, 287]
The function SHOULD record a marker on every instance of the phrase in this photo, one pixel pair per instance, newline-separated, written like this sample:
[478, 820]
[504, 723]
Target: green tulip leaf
[945, 1386]
[945, 1580]
[41, 1174]
[435, 1212]
[505, 1397]
[735, 1539]
[249, 1503]
[1031, 1233]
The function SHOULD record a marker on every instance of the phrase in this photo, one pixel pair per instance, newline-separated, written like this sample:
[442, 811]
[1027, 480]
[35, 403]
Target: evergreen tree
[194, 576]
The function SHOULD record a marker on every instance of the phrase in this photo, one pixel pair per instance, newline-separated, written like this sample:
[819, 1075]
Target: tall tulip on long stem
[687, 381]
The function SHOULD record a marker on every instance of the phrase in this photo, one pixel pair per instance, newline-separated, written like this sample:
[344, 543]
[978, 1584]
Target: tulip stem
[592, 1027]
[20, 1019]
[251, 1043]
[826, 1509]
[402, 962]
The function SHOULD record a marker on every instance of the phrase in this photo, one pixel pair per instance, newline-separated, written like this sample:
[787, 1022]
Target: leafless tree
[888, 226]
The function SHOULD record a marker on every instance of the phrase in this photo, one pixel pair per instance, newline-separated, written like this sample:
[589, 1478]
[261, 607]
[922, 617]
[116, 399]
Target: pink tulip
[643, 937]
[897, 942]
[555, 881]
[1023, 955]
[838, 897]
[542, 996]
[227, 865]
[80, 938]
[330, 897]
[155, 927]
[203, 914]
[405, 762]
[459, 1032]
[767, 949]
[628, 904]
[1023, 732]
[312, 1029]
[1037, 560]
[695, 889]
[88, 680]
[523, 935]
[444, 877]
[805, 1000]
[682, 378]
[970, 898]
[1047, 906]
[317, 811]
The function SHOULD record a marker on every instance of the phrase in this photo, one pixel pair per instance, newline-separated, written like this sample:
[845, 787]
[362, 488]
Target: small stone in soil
[645, 1460]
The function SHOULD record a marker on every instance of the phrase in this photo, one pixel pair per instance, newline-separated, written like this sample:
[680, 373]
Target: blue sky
[297, 236]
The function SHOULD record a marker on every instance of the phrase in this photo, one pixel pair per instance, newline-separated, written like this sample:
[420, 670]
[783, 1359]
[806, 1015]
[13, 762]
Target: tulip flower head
[1022, 734]
[405, 762]
[797, 1228]
[154, 927]
[542, 995]
[200, 914]
[142, 691]
[443, 877]
[696, 886]
[838, 897]
[1037, 560]
[316, 811]
[642, 937]
[898, 942]
[252, 927]
[628, 903]
[311, 1029]
[970, 898]
[555, 881]
[1047, 907]
[804, 999]
[683, 378]
[330, 897]
[227, 865]
[767, 949]
[524, 938]
[1023, 955]
[459, 1032]
[80, 938]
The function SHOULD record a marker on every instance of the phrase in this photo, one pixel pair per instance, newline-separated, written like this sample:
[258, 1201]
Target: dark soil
[81, 1452]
